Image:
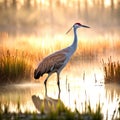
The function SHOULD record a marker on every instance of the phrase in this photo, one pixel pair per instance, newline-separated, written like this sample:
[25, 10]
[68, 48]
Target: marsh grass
[14, 67]
[60, 113]
[19, 59]
[116, 113]
[96, 115]
[111, 71]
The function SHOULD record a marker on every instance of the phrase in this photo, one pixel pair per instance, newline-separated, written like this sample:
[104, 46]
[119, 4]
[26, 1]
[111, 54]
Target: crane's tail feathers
[36, 74]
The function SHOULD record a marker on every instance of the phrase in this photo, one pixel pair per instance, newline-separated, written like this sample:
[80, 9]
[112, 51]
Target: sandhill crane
[58, 60]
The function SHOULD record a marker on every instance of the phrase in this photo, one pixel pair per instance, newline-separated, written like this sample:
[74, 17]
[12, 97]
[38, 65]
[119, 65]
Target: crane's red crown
[78, 24]
[85, 26]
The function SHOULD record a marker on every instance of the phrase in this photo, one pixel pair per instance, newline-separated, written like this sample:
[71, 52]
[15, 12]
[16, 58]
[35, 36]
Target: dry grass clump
[111, 71]
[14, 66]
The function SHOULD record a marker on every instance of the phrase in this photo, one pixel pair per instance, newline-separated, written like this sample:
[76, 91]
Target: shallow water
[80, 82]
[108, 95]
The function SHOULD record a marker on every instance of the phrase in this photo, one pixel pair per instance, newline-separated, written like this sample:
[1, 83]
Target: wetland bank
[90, 81]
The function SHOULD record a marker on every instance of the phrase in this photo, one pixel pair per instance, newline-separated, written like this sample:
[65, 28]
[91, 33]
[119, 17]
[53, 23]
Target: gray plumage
[58, 60]
[52, 63]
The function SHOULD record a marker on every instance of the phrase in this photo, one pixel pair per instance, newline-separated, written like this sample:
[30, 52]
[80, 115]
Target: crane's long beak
[85, 26]
[79, 26]
[69, 30]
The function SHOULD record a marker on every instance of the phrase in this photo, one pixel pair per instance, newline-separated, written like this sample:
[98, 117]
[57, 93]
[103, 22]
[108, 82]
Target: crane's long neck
[74, 44]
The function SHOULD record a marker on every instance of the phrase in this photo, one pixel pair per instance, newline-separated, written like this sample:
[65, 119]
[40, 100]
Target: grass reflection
[85, 101]
[61, 112]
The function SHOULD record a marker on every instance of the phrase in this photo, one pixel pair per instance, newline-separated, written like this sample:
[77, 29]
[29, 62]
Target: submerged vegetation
[61, 112]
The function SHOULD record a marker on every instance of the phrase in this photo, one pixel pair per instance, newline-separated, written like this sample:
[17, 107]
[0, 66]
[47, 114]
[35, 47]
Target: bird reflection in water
[46, 103]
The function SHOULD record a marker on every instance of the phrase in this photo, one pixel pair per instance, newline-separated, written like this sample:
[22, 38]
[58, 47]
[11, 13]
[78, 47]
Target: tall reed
[14, 67]
[111, 71]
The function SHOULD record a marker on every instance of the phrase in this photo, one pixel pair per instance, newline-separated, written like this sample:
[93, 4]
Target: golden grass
[112, 71]
[14, 67]
[30, 50]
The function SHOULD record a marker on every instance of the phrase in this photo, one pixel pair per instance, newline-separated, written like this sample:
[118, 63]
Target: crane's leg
[58, 83]
[45, 82]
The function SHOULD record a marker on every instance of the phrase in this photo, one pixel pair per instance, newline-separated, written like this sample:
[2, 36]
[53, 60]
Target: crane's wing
[52, 63]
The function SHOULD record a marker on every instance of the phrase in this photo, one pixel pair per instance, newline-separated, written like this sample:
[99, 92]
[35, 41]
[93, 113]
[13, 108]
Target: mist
[41, 17]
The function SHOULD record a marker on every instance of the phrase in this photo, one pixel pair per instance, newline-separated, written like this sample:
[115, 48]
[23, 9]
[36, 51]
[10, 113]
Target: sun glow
[107, 3]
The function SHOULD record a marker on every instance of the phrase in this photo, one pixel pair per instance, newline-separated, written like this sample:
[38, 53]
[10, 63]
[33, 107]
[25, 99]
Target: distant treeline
[37, 3]
[20, 14]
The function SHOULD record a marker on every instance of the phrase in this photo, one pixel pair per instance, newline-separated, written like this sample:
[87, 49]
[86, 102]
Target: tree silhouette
[14, 4]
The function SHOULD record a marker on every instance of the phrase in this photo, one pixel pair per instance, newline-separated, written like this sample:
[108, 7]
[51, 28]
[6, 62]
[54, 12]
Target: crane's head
[77, 25]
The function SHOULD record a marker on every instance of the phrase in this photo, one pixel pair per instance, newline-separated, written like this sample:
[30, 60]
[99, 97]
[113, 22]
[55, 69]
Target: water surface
[80, 82]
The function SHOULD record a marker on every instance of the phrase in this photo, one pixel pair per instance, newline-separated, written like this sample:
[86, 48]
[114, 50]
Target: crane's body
[53, 63]
[58, 60]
